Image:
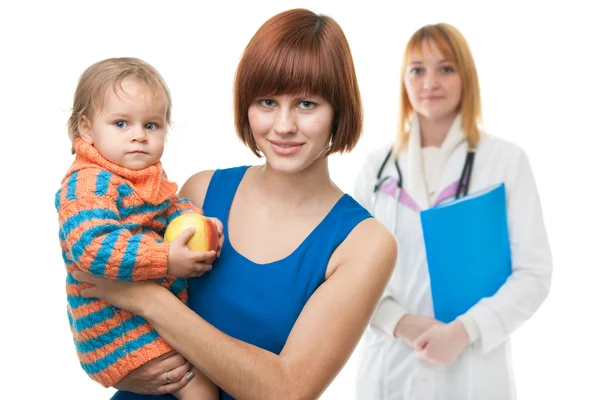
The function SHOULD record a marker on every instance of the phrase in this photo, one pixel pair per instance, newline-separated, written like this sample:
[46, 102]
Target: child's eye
[151, 126]
[120, 124]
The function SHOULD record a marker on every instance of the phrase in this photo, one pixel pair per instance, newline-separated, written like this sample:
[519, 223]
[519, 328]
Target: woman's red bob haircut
[300, 52]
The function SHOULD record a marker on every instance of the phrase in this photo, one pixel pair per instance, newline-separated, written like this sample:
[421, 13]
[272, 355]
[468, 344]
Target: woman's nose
[285, 122]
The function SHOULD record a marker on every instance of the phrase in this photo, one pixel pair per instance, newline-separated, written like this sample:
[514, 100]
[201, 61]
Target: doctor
[439, 154]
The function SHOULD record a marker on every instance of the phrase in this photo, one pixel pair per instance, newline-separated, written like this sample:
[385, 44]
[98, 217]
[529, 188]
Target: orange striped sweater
[111, 224]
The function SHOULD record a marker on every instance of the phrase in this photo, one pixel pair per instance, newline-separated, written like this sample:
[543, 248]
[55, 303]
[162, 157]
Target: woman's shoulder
[367, 229]
[369, 243]
[196, 186]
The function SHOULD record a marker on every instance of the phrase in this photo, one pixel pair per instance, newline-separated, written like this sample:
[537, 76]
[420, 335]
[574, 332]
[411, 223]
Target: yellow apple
[206, 237]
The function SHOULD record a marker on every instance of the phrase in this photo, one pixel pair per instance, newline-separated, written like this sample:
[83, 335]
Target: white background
[538, 66]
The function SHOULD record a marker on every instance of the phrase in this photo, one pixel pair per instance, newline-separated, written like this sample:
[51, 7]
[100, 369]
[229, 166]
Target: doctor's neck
[435, 130]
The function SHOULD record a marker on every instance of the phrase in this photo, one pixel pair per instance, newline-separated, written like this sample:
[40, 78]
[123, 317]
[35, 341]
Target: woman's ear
[85, 129]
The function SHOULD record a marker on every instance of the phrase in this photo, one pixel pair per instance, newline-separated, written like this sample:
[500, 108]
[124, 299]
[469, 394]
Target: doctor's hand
[410, 327]
[442, 344]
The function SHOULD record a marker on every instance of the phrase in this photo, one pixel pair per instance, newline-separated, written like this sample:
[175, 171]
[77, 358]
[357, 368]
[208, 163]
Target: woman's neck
[308, 187]
[434, 132]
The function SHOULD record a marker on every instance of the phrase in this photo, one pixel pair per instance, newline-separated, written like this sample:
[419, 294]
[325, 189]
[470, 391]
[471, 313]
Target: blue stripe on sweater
[78, 301]
[102, 182]
[119, 353]
[98, 266]
[124, 190]
[66, 258]
[178, 285]
[90, 345]
[72, 186]
[88, 237]
[92, 319]
[143, 209]
[129, 258]
[85, 215]
[57, 199]
[174, 215]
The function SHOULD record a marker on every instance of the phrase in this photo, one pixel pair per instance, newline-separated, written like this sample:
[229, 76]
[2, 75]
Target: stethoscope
[461, 190]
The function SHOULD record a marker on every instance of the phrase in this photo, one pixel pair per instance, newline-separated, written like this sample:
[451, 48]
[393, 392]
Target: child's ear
[85, 129]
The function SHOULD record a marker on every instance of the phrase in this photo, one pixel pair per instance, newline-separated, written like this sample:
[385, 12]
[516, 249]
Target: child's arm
[180, 206]
[97, 241]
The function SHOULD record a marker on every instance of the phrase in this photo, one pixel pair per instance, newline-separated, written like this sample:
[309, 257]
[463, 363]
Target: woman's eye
[416, 70]
[447, 69]
[306, 104]
[266, 102]
[151, 126]
[121, 124]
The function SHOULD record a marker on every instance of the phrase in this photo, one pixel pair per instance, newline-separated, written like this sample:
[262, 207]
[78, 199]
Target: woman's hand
[151, 378]
[442, 344]
[410, 327]
[130, 296]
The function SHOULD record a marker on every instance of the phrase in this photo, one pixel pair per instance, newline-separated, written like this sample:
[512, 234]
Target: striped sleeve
[180, 206]
[95, 239]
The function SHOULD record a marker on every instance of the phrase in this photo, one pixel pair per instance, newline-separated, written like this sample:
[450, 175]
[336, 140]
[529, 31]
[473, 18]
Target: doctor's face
[432, 83]
[292, 131]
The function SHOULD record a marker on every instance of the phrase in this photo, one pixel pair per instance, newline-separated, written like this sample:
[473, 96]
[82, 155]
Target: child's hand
[185, 263]
[442, 344]
[219, 226]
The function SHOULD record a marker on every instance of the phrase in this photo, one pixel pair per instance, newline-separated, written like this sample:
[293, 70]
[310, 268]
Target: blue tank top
[259, 303]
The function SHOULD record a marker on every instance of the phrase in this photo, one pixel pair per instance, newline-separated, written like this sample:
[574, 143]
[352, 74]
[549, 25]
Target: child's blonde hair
[89, 95]
[454, 47]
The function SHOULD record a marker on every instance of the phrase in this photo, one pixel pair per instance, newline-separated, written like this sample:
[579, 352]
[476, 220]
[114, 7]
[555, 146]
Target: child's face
[130, 129]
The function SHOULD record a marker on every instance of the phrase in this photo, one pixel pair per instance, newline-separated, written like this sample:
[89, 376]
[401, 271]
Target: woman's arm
[320, 343]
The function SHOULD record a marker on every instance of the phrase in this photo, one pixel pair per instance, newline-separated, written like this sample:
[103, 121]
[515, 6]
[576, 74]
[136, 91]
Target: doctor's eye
[120, 124]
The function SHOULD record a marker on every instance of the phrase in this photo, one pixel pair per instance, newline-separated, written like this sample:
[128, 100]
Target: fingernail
[189, 376]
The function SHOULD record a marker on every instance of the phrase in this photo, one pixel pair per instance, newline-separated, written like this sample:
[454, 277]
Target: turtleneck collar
[149, 183]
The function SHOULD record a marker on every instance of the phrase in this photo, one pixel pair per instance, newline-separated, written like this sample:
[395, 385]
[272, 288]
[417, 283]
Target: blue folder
[468, 250]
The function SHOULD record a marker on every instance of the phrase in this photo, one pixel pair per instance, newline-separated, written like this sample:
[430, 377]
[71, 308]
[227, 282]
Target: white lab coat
[388, 368]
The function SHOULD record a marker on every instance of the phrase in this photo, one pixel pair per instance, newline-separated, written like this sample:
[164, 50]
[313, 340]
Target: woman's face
[292, 131]
[433, 84]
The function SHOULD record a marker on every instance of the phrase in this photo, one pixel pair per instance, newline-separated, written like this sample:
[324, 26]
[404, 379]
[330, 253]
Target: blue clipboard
[468, 250]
